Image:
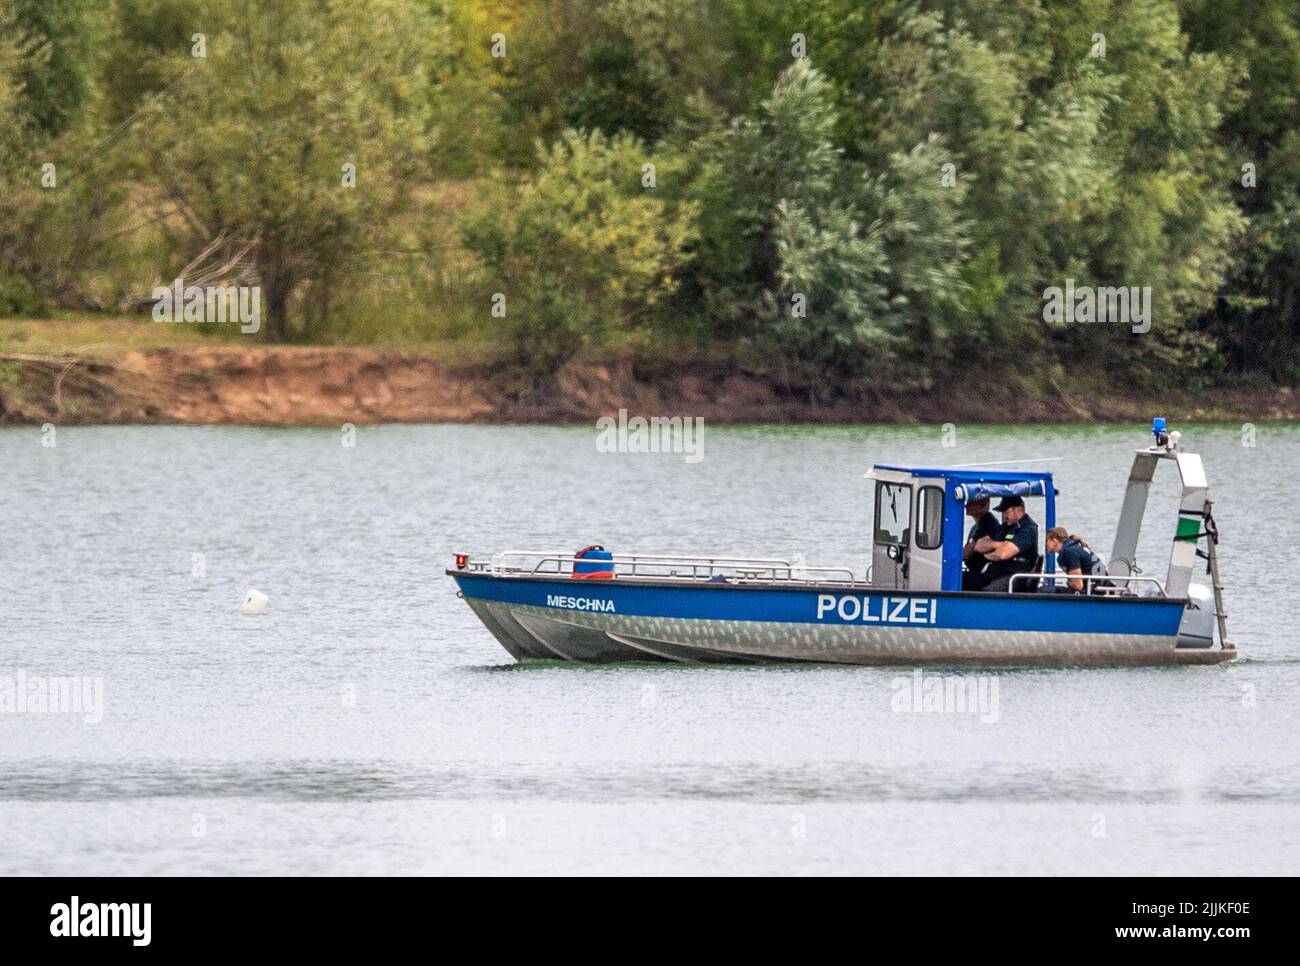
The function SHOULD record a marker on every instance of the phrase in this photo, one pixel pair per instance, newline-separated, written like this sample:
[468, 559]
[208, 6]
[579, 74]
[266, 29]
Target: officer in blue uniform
[1012, 550]
[1073, 556]
[986, 525]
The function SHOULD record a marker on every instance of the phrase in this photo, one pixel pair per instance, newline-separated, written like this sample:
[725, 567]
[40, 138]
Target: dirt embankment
[331, 386]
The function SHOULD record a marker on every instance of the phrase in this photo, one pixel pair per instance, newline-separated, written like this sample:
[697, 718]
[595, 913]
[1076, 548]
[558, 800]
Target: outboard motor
[1197, 627]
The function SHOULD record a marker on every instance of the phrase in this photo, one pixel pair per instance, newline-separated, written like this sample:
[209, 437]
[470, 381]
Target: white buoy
[254, 603]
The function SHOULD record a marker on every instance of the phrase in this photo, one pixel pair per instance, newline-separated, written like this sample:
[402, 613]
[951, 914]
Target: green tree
[1257, 319]
[249, 146]
[830, 317]
[738, 172]
[827, 311]
[17, 50]
[584, 248]
[57, 84]
[1097, 168]
[918, 204]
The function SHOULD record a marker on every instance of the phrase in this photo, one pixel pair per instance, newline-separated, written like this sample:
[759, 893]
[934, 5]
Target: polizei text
[853, 609]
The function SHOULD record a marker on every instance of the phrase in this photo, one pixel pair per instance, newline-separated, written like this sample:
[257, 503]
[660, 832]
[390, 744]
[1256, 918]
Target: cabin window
[929, 517]
[893, 513]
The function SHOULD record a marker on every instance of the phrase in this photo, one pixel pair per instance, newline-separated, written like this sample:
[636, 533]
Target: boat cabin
[921, 523]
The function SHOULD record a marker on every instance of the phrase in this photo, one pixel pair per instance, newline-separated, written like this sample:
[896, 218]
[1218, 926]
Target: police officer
[1012, 550]
[985, 526]
[1073, 556]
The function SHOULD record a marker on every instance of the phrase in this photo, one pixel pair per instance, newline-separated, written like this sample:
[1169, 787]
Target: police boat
[598, 606]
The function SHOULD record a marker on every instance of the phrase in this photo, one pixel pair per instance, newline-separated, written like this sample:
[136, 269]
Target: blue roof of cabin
[966, 474]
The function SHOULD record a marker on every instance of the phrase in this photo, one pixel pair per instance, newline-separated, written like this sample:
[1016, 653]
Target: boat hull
[625, 620]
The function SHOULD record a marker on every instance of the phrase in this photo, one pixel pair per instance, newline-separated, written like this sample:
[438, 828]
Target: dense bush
[584, 248]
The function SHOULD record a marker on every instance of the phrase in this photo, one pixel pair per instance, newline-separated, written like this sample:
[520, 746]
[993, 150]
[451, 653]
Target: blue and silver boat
[908, 607]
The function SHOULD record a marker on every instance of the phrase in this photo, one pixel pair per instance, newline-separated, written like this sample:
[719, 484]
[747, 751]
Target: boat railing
[1103, 590]
[665, 566]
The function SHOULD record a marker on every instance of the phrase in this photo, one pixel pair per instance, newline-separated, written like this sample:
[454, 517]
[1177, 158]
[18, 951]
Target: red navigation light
[461, 560]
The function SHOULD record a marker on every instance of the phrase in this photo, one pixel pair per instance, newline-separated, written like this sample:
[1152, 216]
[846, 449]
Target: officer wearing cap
[1012, 550]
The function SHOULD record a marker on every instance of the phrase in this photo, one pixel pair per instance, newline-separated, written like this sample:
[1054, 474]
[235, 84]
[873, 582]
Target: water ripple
[347, 780]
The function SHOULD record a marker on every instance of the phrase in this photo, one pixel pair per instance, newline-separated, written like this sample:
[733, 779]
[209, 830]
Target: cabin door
[926, 566]
[891, 548]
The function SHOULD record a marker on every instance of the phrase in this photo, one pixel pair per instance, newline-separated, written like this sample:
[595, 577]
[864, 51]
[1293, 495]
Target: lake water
[367, 723]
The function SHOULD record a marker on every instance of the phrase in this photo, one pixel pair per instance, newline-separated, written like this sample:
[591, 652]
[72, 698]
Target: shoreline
[320, 386]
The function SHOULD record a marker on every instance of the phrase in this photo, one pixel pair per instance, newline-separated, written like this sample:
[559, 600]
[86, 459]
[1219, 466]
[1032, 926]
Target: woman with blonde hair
[1073, 556]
